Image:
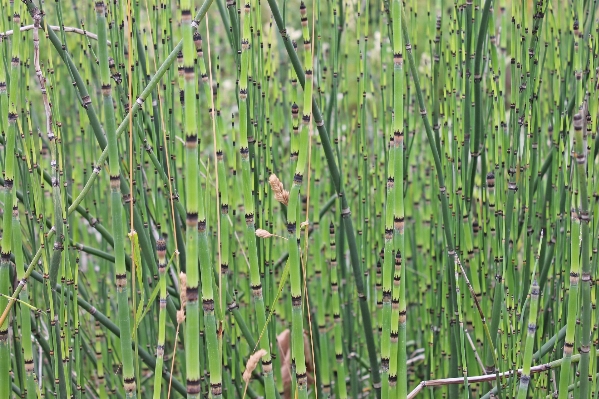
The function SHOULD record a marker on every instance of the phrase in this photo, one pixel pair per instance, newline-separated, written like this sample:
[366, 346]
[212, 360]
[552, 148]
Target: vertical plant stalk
[162, 264]
[207, 280]
[129, 194]
[341, 388]
[248, 205]
[572, 306]
[98, 346]
[580, 151]
[27, 345]
[208, 302]
[479, 133]
[388, 362]
[116, 205]
[8, 191]
[321, 286]
[530, 338]
[77, 330]
[224, 211]
[51, 270]
[60, 264]
[192, 179]
[399, 294]
[462, 329]
[295, 267]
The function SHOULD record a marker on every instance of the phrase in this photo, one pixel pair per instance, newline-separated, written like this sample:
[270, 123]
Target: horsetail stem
[398, 209]
[129, 379]
[530, 334]
[162, 265]
[248, 204]
[193, 218]
[340, 385]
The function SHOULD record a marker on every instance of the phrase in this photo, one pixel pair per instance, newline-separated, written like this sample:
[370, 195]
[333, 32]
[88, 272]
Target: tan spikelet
[263, 233]
[183, 291]
[276, 185]
[251, 364]
[180, 316]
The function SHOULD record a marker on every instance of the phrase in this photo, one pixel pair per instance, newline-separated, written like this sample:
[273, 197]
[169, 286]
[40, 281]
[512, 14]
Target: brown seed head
[183, 290]
[276, 185]
[252, 364]
[263, 233]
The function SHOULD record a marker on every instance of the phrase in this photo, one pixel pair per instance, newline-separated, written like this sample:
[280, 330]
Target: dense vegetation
[278, 199]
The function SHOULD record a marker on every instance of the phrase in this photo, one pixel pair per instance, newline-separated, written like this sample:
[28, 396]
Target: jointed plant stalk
[162, 265]
[293, 220]
[387, 276]
[530, 335]
[10, 126]
[129, 379]
[399, 288]
[340, 385]
[580, 150]
[576, 248]
[192, 190]
[248, 206]
[208, 302]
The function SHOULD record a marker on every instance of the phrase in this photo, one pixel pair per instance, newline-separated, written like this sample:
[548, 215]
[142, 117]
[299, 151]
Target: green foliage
[449, 148]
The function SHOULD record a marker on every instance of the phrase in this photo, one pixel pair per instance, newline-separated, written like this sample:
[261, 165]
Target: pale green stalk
[101, 378]
[530, 338]
[337, 332]
[212, 344]
[581, 148]
[192, 189]
[9, 194]
[398, 206]
[386, 359]
[462, 328]
[578, 243]
[572, 307]
[129, 380]
[50, 275]
[293, 219]
[249, 209]
[160, 346]
[27, 344]
[321, 285]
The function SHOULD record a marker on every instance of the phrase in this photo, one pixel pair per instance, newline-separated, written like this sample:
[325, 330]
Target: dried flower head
[251, 364]
[180, 316]
[183, 292]
[266, 234]
[276, 185]
[263, 233]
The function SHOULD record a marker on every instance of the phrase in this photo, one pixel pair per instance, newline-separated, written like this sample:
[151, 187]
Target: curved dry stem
[69, 29]
[489, 377]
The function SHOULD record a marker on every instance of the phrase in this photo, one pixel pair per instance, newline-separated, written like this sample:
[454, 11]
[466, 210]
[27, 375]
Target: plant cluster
[299, 199]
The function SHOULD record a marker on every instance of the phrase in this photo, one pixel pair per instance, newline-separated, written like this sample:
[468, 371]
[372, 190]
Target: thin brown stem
[68, 29]
[488, 377]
